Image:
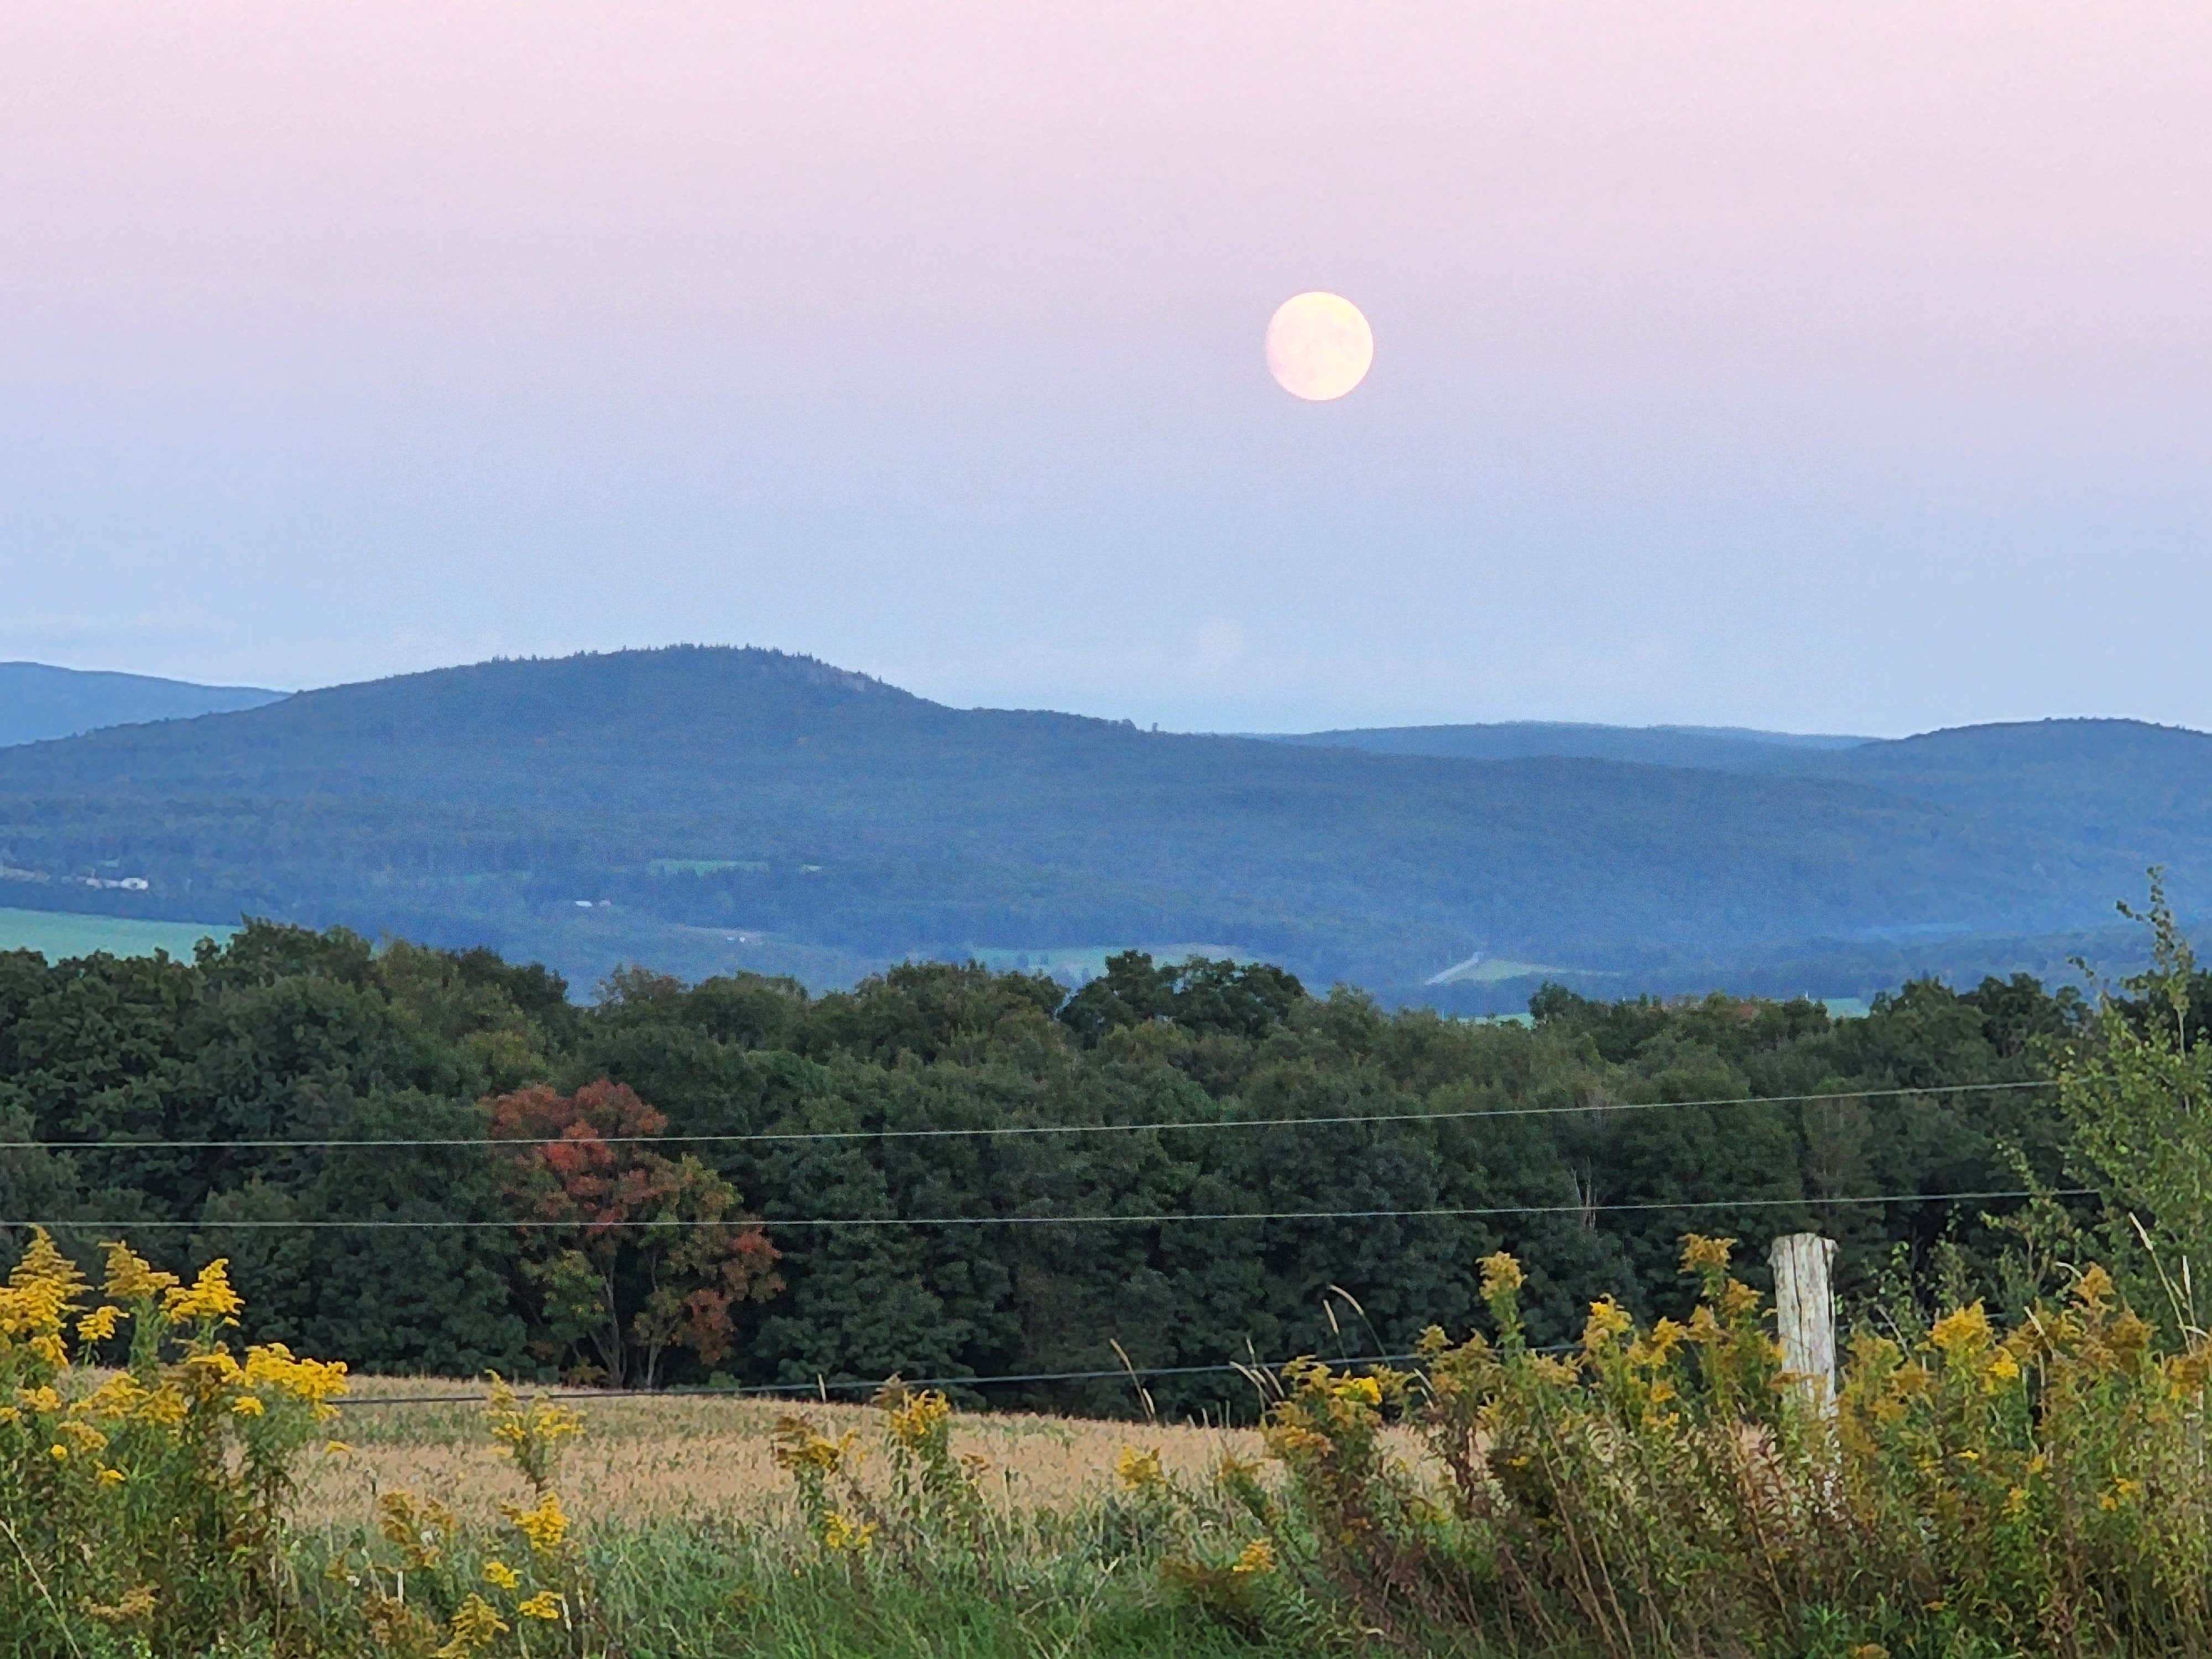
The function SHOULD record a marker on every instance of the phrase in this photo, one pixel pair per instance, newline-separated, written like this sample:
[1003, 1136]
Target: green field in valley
[57, 935]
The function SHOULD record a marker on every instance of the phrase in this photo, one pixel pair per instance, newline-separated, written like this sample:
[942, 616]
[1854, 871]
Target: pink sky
[1818, 367]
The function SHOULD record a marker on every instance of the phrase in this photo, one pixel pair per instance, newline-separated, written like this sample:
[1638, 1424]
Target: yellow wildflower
[82, 1436]
[1137, 1470]
[913, 1422]
[543, 1605]
[132, 1604]
[1365, 1390]
[2001, 1369]
[2095, 1288]
[1258, 1557]
[248, 1404]
[475, 1626]
[210, 1296]
[111, 1477]
[1700, 1254]
[1607, 1320]
[1964, 1332]
[99, 1324]
[1501, 1275]
[130, 1279]
[499, 1575]
[839, 1533]
[545, 1526]
[166, 1406]
[40, 1295]
[799, 1447]
[59, 1454]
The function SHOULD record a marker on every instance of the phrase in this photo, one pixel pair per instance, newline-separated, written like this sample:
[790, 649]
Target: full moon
[1319, 347]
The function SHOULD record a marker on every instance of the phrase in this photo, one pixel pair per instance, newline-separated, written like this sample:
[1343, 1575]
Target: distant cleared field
[58, 934]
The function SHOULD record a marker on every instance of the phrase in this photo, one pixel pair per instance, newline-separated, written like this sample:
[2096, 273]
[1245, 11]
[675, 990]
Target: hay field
[642, 1460]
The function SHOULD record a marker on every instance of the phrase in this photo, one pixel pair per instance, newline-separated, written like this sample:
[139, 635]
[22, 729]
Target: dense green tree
[965, 1173]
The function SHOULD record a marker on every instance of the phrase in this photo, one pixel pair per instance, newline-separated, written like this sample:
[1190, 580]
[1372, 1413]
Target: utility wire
[995, 1130]
[371, 1224]
[819, 1386]
[849, 1387]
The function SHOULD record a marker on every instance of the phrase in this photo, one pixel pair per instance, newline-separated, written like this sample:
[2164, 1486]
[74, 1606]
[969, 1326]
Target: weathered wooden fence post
[1805, 1311]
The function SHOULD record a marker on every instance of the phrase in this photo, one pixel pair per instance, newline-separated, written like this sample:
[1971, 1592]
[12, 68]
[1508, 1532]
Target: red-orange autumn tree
[633, 1252]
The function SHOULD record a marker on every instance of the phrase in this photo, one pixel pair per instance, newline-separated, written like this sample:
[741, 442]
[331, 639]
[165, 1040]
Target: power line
[1592, 1108]
[847, 1387]
[375, 1225]
[820, 1386]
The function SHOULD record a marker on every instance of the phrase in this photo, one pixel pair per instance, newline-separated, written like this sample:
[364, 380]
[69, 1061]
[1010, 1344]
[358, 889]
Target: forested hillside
[38, 702]
[412, 1157]
[1704, 748]
[711, 809]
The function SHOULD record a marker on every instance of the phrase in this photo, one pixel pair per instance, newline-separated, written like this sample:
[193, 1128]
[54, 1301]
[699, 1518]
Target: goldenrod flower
[501, 1576]
[1363, 1390]
[913, 1422]
[131, 1279]
[475, 1626]
[545, 1526]
[2095, 1287]
[1700, 1254]
[1964, 1332]
[838, 1533]
[209, 1297]
[99, 1324]
[111, 1477]
[1258, 1557]
[1138, 1470]
[132, 1604]
[543, 1605]
[1501, 1274]
[1608, 1320]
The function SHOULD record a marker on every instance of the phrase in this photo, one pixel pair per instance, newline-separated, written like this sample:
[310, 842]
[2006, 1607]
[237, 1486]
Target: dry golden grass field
[644, 1459]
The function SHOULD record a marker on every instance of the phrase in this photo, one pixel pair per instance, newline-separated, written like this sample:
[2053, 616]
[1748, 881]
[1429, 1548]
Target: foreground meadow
[1665, 1491]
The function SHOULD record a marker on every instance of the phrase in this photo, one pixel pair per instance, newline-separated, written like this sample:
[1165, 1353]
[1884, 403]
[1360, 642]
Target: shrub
[144, 1503]
[1669, 1489]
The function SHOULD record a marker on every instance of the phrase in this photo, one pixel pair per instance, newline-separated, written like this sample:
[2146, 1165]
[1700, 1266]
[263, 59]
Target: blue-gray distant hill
[38, 702]
[696, 808]
[1713, 748]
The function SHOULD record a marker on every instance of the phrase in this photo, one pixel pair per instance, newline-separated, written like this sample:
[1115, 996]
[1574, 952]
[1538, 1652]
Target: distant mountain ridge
[700, 808]
[38, 704]
[1721, 749]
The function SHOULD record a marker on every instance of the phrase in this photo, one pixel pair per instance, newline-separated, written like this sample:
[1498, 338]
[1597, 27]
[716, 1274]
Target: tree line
[736, 1181]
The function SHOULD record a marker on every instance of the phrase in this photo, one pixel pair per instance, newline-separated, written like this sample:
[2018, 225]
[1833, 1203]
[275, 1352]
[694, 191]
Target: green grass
[707, 1588]
[57, 935]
